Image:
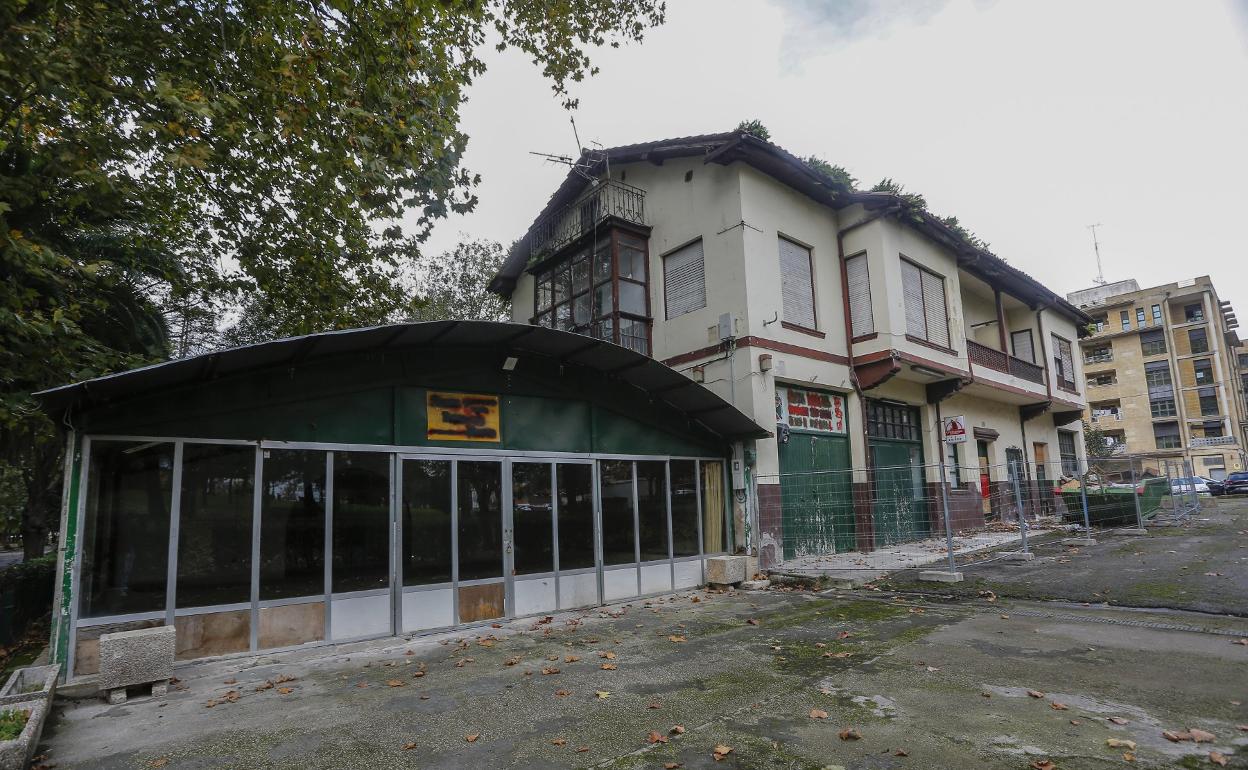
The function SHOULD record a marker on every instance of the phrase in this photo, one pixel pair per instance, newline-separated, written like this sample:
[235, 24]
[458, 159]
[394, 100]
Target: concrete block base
[755, 585]
[1079, 541]
[940, 576]
[725, 570]
[160, 689]
[141, 656]
[117, 696]
[1018, 556]
[1133, 531]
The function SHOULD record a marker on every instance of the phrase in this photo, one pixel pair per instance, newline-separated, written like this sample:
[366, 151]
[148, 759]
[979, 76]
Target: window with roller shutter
[684, 280]
[797, 289]
[861, 320]
[927, 316]
[1063, 363]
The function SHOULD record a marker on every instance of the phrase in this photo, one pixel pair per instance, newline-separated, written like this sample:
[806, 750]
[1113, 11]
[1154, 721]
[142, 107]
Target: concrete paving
[855, 569]
[1200, 566]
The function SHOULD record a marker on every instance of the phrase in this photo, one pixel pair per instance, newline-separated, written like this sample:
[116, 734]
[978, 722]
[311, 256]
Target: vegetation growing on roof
[755, 127]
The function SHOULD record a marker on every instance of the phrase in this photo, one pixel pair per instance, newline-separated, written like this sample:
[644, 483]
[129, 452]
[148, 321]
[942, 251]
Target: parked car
[1216, 487]
[1184, 485]
[1236, 484]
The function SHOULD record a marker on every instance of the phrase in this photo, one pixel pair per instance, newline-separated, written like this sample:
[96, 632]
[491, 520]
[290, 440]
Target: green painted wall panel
[546, 424]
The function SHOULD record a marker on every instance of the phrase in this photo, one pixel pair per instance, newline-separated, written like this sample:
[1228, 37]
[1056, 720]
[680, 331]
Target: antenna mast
[1096, 245]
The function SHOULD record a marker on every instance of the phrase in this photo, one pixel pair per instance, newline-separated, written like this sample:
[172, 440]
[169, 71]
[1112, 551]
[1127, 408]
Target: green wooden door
[816, 495]
[900, 511]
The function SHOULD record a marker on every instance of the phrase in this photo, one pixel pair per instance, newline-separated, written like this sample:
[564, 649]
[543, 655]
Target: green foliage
[910, 200]
[915, 205]
[453, 284]
[27, 572]
[754, 128]
[1095, 443]
[842, 180]
[12, 722]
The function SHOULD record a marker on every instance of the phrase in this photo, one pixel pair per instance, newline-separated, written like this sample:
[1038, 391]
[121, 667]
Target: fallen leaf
[582, 749]
[1117, 720]
[608, 667]
[232, 696]
[655, 705]
[1128, 756]
[901, 753]
[602, 694]
[1243, 641]
[1175, 737]
[267, 685]
[571, 658]
[721, 751]
[1118, 743]
[1202, 736]
[752, 621]
[419, 674]
[395, 683]
[843, 635]
[676, 638]
[548, 670]
[409, 746]
[285, 690]
[1035, 693]
[1043, 764]
[562, 693]
[512, 660]
[849, 734]
[932, 669]
[1217, 758]
[818, 714]
[282, 678]
[607, 654]
[559, 741]
[1243, 728]
[472, 737]
[674, 765]
[656, 737]
[1075, 722]
[231, 680]
[1058, 706]
[161, 762]
[362, 685]
[677, 730]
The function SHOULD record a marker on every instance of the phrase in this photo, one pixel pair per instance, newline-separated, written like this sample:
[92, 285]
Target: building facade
[382, 481]
[846, 320]
[1165, 372]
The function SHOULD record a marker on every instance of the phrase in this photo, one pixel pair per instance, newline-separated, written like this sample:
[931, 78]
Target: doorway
[985, 477]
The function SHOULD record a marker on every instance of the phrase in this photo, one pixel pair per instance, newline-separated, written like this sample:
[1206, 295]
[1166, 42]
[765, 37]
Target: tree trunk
[43, 484]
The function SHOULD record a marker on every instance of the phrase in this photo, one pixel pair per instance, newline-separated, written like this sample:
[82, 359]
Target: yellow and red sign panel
[462, 417]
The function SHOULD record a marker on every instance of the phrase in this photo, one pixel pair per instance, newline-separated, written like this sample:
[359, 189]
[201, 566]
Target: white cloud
[1028, 121]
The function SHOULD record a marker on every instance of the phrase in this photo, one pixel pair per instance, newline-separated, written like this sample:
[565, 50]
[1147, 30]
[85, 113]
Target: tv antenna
[1096, 246]
[584, 160]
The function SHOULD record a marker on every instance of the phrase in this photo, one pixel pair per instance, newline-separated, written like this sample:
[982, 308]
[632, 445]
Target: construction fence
[806, 517]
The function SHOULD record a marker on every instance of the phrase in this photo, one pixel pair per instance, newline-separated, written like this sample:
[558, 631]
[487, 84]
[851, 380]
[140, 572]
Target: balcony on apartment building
[604, 202]
[1202, 442]
[1001, 371]
[1002, 345]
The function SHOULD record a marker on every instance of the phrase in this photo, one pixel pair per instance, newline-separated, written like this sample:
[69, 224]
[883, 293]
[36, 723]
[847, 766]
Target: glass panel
[361, 521]
[125, 553]
[480, 507]
[632, 298]
[617, 512]
[576, 516]
[561, 280]
[652, 509]
[602, 300]
[214, 525]
[426, 522]
[632, 258]
[713, 535]
[684, 508]
[580, 314]
[531, 518]
[545, 319]
[580, 274]
[292, 524]
[563, 317]
[605, 330]
[543, 292]
[633, 335]
[602, 264]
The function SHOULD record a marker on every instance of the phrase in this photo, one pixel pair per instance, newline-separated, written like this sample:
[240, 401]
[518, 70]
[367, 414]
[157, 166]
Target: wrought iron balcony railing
[605, 199]
[982, 355]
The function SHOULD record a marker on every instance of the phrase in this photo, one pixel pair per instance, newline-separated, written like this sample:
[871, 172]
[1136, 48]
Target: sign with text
[462, 417]
[810, 410]
[955, 429]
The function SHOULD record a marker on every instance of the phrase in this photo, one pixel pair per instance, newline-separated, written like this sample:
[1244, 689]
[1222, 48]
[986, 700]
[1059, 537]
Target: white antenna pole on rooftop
[1096, 245]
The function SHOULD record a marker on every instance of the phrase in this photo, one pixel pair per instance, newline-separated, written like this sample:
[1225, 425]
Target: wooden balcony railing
[982, 355]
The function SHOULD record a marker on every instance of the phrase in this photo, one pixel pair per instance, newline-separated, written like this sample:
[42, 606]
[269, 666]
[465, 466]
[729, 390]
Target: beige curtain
[713, 507]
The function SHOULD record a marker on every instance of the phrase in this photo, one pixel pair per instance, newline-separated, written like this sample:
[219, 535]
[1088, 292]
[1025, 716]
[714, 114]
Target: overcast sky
[1028, 121]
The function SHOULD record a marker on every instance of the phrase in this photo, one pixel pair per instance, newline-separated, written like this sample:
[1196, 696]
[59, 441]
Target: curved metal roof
[654, 379]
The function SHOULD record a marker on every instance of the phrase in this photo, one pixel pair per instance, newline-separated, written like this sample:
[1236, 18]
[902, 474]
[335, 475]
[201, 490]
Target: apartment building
[846, 319]
[1165, 372]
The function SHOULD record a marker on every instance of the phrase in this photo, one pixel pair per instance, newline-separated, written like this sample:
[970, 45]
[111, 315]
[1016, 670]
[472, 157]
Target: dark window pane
[531, 518]
[580, 274]
[426, 522]
[602, 300]
[292, 524]
[652, 509]
[361, 521]
[580, 310]
[684, 508]
[480, 520]
[214, 525]
[576, 516]
[125, 554]
[632, 258]
[714, 538]
[617, 512]
[632, 298]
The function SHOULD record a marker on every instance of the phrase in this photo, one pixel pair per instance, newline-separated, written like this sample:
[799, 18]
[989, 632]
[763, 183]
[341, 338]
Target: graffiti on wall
[810, 410]
[462, 417]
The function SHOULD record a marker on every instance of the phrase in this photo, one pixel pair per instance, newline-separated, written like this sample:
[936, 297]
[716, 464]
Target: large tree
[269, 148]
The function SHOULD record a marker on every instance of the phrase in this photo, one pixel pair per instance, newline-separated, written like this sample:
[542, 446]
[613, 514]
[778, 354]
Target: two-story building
[849, 320]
